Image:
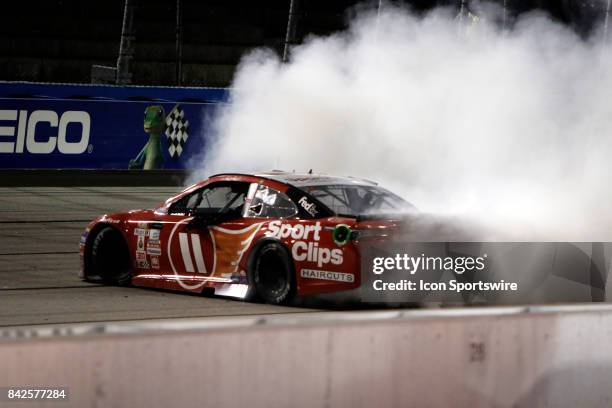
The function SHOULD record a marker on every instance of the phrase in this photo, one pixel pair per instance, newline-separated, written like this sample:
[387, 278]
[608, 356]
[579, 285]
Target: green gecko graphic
[151, 157]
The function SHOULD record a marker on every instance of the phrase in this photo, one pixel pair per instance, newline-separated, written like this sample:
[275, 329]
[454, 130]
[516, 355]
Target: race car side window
[269, 203]
[334, 197]
[226, 197]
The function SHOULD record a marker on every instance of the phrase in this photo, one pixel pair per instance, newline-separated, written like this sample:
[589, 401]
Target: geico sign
[26, 131]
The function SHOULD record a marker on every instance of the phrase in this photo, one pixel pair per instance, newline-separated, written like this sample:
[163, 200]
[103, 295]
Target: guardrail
[477, 357]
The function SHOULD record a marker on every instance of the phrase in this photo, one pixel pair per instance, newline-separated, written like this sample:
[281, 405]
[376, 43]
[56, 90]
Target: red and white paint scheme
[271, 236]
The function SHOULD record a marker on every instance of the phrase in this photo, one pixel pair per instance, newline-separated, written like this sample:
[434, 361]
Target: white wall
[502, 357]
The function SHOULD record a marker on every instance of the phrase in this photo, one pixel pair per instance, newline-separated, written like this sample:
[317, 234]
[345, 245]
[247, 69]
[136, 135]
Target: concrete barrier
[478, 357]
[91, 178]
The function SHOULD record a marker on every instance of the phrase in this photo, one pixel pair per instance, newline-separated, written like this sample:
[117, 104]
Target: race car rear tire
[110, 258]
[272, 275]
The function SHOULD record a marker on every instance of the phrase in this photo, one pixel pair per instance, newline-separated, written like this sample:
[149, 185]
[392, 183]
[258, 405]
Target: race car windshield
[356, 200]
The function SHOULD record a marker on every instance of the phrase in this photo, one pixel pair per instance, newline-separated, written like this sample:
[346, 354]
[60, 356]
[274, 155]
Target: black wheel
[272, 275]
[110, 258]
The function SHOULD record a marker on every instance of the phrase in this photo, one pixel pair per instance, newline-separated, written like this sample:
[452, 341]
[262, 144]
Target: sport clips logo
[306, 247]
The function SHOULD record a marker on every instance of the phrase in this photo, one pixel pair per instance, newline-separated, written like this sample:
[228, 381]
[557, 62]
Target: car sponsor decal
[279, 230]
[154, 234]
[142, 264]
[310, 252]
[266, 196]
[153, 249]
[306, 245]
[148, 243]
[155, 262]
[140, 245]
[141, 256]
[327, 275]
[310, 208]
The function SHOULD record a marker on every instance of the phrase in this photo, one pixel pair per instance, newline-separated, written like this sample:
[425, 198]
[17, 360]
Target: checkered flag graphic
[177, 127]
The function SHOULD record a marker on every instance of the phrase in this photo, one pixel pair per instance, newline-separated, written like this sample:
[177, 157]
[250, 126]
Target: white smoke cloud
[512, 128]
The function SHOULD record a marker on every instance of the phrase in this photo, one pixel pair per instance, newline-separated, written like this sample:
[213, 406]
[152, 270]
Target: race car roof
[303, 179]
[307, 179]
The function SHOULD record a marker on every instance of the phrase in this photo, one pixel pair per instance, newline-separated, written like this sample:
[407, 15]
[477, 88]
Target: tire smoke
[510, 128]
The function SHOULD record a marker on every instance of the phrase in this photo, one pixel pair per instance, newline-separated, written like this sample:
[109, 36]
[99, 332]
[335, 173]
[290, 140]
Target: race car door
[208, 232]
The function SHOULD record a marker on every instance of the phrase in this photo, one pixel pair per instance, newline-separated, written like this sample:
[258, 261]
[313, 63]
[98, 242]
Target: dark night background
[60, 40]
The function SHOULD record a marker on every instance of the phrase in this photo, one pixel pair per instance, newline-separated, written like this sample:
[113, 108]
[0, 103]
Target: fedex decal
[24, 127]
[306, 247]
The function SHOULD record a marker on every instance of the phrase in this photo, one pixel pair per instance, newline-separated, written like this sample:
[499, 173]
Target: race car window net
[352, 200]
[225, 197]
[266, 202]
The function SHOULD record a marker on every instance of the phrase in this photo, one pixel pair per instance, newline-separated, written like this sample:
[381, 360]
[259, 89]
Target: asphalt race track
[39, 235]
[58, 330]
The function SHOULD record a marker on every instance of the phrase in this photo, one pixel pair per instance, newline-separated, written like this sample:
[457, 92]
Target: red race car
[266, 236]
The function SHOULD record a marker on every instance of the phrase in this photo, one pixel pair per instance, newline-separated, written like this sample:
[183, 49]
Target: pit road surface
[39, 235]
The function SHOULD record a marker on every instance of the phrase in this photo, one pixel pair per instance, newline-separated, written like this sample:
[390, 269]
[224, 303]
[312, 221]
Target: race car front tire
[110, 257]
[272, 274]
